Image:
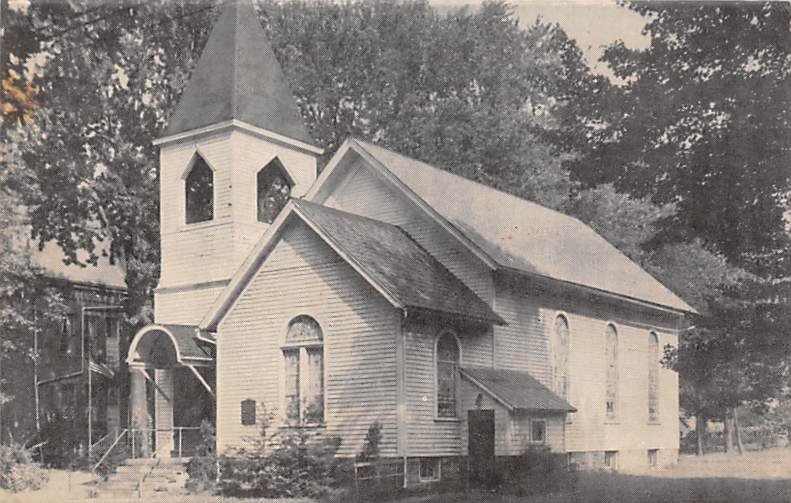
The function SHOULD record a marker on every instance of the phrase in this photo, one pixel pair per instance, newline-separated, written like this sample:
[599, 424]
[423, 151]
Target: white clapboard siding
[210, 251]
[184, 306]
[520, 432]
[304, 276]
[473, 398]
[525, 344]
[362, 192]
[522, 343]
[175, 158]
[427, 436]
[589, 429]
[250, 155]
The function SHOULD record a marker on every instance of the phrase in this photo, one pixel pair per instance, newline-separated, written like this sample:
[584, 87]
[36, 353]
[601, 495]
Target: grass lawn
[758, 477]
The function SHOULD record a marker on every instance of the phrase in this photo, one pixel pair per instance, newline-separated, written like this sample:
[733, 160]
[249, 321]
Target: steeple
[238, 77]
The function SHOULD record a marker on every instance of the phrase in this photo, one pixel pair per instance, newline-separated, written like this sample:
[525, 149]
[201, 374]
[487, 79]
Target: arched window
[273, 188]
[303, 357]
[200, 192]
[653, 377]
[447, 355]
[560, 353]
[612, 371]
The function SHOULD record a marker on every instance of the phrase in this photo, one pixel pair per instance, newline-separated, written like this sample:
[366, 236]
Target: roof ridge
[465, 179]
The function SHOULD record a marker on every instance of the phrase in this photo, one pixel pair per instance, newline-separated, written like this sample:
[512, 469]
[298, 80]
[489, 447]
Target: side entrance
[481, 447]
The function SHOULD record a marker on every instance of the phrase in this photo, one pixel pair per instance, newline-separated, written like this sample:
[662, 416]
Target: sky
[594, 24]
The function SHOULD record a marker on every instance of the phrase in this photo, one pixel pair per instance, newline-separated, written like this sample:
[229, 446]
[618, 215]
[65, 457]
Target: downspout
[403, 392]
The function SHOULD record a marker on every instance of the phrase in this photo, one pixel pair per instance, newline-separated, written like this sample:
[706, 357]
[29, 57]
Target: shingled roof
[525, 236]
[518, 391]
[238, 77]
[397, 264]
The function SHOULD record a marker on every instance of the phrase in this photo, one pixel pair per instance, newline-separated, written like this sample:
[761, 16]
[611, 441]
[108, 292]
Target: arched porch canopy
[163, 346]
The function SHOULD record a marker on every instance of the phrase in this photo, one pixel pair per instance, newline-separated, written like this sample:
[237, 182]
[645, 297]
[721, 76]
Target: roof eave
[494, 319]
[243, 126]
[599, 291]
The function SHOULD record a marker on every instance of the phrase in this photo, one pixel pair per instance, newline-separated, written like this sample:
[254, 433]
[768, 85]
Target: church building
[469, 323]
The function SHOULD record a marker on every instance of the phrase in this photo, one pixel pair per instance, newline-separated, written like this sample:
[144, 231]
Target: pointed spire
[238, 77]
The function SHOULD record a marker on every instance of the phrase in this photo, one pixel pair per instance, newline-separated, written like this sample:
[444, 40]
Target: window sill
[654, 423]
[204, 224]
[447, 420]
[612, 421]
[303, 426]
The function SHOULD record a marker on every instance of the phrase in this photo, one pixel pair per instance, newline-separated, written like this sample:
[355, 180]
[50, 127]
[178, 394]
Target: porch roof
[518, 391]
[189, 342]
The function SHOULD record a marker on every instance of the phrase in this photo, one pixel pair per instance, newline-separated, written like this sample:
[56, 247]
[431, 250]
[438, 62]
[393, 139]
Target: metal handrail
[173, 429]
[107, 453]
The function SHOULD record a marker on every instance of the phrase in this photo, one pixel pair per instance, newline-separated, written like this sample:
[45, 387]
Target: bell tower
[234, 151]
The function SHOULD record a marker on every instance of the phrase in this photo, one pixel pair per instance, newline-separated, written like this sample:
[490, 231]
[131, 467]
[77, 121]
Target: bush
[17, 469]
[538, 470]
[202, 468]
[294, 462]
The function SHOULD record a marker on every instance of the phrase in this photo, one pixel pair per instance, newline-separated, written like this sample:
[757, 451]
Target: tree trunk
[728, 431]
[739, 443]
[700, 432]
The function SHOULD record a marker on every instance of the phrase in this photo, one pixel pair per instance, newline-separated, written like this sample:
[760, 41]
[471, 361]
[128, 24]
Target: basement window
[611, 459]
[429, 469]
[653, 455]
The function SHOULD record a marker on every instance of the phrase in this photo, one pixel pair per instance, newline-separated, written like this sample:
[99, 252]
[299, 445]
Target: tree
[471, 92]
[28, 300]
[128, 63]
[703, 122]
[700, 123]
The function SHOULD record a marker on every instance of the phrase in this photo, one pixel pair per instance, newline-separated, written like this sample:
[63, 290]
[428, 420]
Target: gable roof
[383, 254]
[238, 77]
[517, 391]
[521, 235]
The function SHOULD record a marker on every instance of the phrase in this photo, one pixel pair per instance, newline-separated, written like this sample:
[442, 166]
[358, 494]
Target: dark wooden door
[481, 447]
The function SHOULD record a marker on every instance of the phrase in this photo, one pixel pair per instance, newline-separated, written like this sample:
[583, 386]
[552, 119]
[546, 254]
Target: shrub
[202, 468]
[538, 470]
[370, 451]
[293, 462]
[17, 469]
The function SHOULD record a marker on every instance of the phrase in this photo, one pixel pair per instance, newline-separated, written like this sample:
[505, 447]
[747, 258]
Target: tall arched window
[273, 188]
[199, 192]
[653, 377]
[303, 357]
[560, 353]
[612, 371]
[447, 355]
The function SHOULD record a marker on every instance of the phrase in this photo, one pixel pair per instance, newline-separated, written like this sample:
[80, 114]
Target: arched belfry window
[199, 189]
[447, 365]
[653, 377]
[612, 371]
[303, 358]
[560, 354]
[273, 188]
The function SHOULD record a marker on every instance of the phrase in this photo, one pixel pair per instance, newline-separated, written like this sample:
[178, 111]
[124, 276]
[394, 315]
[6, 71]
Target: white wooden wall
[208, 252]
[525, 344]
[362, 192]
[304, 276]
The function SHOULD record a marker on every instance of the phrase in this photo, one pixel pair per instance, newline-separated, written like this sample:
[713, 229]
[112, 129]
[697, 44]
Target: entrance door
[481, 446]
